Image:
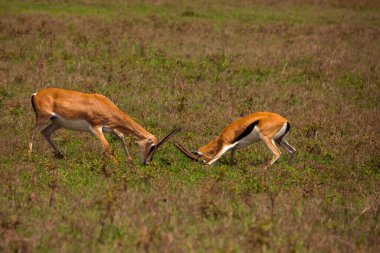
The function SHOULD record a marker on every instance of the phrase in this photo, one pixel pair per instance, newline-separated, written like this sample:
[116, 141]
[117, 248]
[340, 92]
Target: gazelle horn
[186, 152]
[163, 141]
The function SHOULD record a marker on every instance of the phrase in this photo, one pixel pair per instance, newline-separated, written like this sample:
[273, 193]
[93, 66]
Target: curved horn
[186, 152]
[154, 148]
[167, 137]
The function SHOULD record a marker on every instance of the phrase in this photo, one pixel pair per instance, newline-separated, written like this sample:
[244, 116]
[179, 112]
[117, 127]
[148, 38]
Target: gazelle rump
[267, 127]
[89, 112]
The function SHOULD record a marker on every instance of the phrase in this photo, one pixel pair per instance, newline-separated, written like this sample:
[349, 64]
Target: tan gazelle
[267, 127]
[89, 112]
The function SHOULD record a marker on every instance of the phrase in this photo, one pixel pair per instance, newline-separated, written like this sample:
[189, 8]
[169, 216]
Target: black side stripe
[247, 131]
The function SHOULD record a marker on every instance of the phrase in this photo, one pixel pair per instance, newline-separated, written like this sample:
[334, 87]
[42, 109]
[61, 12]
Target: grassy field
[197, 65]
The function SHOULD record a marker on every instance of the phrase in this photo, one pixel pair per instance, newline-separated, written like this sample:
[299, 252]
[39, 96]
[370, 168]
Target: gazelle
[89, 112]
[267, 127]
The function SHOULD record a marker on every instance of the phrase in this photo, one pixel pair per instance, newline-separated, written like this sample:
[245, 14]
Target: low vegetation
[197, 65]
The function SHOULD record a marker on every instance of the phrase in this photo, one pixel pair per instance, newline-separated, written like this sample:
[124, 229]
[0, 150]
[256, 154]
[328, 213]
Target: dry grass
[197, 65]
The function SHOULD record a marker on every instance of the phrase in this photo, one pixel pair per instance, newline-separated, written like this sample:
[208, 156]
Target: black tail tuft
[286, 131]
[32, 100]
[287, 128]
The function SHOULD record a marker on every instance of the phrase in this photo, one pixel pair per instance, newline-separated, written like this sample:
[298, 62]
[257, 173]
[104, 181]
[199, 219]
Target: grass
[198, 65]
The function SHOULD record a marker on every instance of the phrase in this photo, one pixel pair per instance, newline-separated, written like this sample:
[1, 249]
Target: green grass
[195, 65]
[215, 11]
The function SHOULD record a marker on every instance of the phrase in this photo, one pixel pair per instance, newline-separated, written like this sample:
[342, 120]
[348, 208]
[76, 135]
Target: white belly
[253, 137]
[77, 125]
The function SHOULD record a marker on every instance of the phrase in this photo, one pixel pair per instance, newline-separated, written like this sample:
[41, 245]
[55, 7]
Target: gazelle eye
[152, 148]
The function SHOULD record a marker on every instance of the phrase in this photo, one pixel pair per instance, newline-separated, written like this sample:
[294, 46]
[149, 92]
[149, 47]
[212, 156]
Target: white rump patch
[281, 132]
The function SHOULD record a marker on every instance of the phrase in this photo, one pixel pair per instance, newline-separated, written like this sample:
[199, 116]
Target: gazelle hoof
[114, 160]
[58, 155]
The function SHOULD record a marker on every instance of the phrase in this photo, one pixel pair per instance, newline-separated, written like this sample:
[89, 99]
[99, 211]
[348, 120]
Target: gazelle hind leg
[279, 138]
[276, 152]
[47, 132]
[120, 136]
[283, 143]
[31, 137]
[37, 126]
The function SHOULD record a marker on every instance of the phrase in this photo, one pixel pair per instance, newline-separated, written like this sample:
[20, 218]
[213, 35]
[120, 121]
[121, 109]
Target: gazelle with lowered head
[89, 112]
[267, 127]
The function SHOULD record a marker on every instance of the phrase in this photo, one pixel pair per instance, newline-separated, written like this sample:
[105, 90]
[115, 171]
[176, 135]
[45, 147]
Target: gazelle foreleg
[47, 132]
[221, 152]
[233, 156]
[120, 136]
[99, 134]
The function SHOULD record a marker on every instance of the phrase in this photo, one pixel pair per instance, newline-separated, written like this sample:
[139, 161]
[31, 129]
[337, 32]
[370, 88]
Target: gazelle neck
[208, 151]
[130, 127]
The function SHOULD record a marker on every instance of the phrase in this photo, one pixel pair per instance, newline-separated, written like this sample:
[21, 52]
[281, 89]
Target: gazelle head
[149, 145]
